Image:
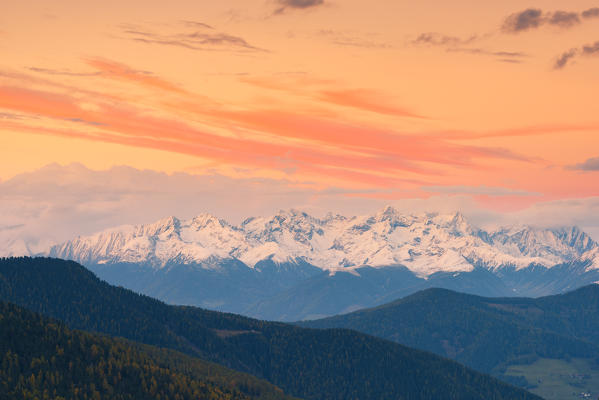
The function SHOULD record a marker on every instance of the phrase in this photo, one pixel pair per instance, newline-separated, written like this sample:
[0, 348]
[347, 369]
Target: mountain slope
[485, 333]
[313, 364]
[42, 358]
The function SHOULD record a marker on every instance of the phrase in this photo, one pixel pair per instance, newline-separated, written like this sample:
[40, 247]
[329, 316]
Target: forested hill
[43, 359]
[485, 333]
[312, 364]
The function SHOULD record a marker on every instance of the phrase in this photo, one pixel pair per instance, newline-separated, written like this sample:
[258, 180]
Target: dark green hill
[43, 359]
[313, 364]
[487, 334]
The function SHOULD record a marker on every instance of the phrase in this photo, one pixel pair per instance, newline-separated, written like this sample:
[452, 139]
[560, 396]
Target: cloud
[592, 164]
[591, 13]
[439, 39]
[591, 49]
[272, 139]
[63, 72]
[57, 203]
[478, 190]
[120, 71]
[479, 51]
[197, 24]
[524, 20]
[566, 57]
[455, 44]
[564, 19]
[510, 60]
[11, 116]
[364, 99]
[198, 36]
[534, 130]
[352, 40]
[583, 212]
[534, 18]
[284, 5]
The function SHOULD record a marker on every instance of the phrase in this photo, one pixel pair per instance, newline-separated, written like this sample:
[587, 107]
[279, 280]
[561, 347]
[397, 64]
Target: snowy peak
[554, 245]
[425, 243]
[591, 257]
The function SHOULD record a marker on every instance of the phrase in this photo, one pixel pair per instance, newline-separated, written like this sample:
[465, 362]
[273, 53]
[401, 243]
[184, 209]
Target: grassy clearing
[561, 380]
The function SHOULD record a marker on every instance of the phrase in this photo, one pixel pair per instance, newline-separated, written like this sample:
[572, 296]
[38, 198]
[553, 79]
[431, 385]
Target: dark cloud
[202, 38]
[592, 164]
[591, 13]
[301, 3]
[284, 5]
[565, 58]
[591, 49]
[510, 60]
[586, 50]
[534, 18]
[516, 54]
[564, 19]
[523, 20]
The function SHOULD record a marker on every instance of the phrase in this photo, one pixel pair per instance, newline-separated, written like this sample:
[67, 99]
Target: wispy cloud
[478, 190]
[330, 92]
[123, 72]
[364, 99]
[63, 72]
[286, 5]
[197, 24]
[456, 44]
[566, 58]
[592, 164]
[353, 39]
[13, 116]
[196, 36]
[504, 56]
[269, 138]
[439, 39]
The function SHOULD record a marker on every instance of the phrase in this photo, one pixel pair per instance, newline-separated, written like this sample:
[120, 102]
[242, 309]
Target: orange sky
[416, 99]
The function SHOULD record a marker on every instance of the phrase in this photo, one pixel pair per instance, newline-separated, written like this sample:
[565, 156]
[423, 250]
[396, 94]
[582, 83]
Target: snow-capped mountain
[168, 240]
[293, 266]
[424, 243]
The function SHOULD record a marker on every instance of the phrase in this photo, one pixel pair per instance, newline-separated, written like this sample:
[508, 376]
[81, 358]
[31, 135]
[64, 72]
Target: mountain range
[307, 363]
[293, 266]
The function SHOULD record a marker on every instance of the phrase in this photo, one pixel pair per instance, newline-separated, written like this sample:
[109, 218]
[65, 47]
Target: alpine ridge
[294, 266]
[425, 243]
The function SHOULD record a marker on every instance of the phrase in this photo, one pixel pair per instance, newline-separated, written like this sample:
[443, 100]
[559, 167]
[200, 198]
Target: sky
[333, 105]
